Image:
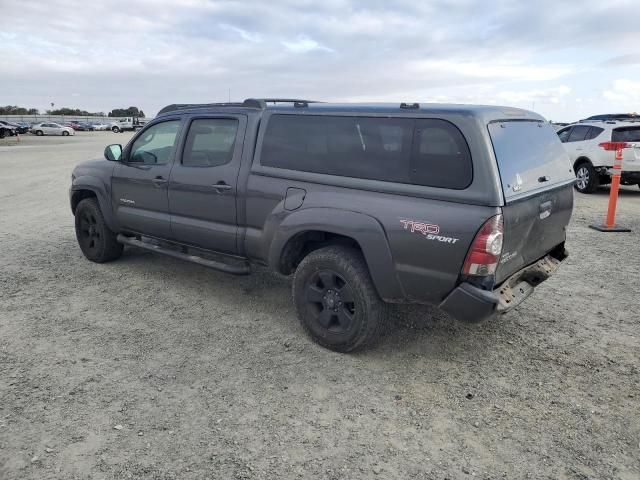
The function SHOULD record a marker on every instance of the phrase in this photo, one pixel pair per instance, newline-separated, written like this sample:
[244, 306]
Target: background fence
[59, 118]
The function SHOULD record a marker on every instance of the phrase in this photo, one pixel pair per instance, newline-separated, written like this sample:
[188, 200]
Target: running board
[242, 269]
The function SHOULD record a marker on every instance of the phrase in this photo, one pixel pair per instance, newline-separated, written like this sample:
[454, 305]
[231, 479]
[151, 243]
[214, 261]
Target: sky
[564, 59]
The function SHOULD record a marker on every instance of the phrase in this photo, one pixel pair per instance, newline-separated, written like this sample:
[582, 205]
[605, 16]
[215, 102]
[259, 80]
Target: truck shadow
[420, 329]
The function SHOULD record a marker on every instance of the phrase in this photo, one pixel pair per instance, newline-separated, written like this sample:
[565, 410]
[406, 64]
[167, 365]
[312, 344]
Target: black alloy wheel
[331, 301]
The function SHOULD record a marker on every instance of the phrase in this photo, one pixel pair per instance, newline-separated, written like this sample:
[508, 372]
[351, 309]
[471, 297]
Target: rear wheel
[97, 242]
[336, 300]
[39, 133]
[587, 179]
[115, 130]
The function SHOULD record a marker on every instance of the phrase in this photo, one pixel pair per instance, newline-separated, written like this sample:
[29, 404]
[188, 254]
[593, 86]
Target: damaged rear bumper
[472, 304]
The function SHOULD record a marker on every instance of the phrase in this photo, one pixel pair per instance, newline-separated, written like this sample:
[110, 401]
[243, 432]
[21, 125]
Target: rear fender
[364, 229]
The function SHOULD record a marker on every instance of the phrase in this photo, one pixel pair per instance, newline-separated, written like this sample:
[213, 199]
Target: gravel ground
[153, 368]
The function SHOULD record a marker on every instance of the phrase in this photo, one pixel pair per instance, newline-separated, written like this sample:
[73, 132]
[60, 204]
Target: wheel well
[78, 196]
[580, 161]
[301, 244]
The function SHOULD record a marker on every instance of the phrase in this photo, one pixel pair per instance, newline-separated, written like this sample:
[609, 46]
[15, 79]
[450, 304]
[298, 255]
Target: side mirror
[113, 152]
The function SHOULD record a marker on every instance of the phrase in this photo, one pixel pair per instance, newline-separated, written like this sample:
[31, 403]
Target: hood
[99, 167]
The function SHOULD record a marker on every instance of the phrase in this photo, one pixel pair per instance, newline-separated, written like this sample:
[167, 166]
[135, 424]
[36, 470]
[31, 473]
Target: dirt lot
[153, 368]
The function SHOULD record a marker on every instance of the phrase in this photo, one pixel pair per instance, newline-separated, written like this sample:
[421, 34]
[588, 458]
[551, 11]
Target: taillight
[484, 253]
[613, 145]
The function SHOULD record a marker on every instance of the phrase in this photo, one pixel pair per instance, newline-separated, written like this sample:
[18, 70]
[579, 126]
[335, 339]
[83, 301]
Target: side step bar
[223, 267]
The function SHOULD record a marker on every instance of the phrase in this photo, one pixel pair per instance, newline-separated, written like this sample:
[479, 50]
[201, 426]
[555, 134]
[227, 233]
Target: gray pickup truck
[459, 206]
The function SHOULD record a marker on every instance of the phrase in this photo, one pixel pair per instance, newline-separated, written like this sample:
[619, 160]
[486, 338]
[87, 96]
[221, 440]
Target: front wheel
[587, 179]
[97, 242]
[336, 300]
[65, 133]
[39, 133]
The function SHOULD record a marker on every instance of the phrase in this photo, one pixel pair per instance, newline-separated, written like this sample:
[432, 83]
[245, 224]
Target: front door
[140, 181]
[202, 187]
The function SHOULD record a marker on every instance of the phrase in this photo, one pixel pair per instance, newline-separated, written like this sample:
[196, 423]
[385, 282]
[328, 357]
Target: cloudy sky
[565, 59]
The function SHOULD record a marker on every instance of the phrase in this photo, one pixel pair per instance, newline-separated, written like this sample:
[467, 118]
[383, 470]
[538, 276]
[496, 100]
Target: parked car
[592, 160]
[50, 128]
[85, 127]
[364, 204]
[6, 130]
[100, 126]
[16, 128]
[73, 124]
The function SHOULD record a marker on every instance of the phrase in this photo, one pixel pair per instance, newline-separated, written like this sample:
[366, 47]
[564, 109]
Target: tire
[39, 133]
[97, 242]
[2, 133]
[587, 179]
[115, 130]
[336, 301]
[65, 133]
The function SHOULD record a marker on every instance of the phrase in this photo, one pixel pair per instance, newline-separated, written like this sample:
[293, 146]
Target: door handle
[159, 181]
[221, 186]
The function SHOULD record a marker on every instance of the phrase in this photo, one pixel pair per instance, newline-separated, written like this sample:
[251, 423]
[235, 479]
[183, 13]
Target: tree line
[116, 112]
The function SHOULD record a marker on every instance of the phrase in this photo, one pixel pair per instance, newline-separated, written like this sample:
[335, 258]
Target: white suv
[591, 161]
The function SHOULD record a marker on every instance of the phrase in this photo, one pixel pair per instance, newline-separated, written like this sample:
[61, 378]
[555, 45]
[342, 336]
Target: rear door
[537, 182]
[575, 144]
[203, 185]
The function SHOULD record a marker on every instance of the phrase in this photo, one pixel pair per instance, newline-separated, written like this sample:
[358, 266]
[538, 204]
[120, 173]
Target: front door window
[156, 145]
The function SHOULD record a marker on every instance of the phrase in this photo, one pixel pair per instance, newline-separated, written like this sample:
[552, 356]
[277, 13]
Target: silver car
[51, 129]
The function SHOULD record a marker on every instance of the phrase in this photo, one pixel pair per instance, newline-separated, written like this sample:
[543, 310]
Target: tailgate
[631, 154]
[533, 227]
[537, 182]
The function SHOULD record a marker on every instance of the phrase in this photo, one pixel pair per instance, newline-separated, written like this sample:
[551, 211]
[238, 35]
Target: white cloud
[245, 35]
[623, 91]
[491, 70]
[304, 44]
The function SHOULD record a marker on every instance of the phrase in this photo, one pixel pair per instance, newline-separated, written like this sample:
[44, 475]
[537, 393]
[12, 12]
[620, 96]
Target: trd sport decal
[429, 230]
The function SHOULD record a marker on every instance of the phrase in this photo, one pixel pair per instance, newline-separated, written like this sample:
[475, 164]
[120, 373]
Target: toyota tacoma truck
[458, 206]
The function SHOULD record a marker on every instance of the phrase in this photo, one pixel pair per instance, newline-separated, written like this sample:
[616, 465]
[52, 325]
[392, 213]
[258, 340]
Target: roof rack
[611, 121]
[260, 103]
[188, 106]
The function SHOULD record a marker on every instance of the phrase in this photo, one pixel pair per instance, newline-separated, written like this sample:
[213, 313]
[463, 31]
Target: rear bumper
[472, 304]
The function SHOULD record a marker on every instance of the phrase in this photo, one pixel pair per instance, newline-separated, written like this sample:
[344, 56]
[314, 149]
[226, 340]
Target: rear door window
[424, 152]
[530, 157]
[578, 133]
[210, 142]
[626, 134]
[594, 132]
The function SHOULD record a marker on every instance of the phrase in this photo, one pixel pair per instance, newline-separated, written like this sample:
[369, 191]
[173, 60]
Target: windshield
[530, 157]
